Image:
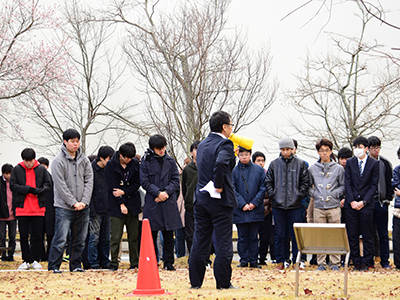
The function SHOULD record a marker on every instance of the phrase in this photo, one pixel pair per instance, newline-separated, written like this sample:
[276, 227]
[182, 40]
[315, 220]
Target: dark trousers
[266, 232]
[189, 228]
[209, 218]
[12, 231]
[180, 246]
[248, 242]
[33, 251]
[168, 245]
[99, 241]
[360, 222]
[284, 220]
[396, 241]
[381, 218]
[117, 226]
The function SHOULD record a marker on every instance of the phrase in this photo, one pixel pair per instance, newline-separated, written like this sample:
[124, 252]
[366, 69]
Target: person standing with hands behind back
[215, 161]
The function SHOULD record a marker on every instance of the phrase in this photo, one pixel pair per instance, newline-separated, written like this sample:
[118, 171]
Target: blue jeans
[78, 222]
[99, 241]
[248, 242]
[284, 220]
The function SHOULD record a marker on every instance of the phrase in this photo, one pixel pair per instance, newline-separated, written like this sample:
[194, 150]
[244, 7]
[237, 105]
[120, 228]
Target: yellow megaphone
[242, 141]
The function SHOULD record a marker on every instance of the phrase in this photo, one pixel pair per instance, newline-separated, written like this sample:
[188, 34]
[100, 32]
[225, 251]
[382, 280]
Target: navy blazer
[215, 161]
[361, 188]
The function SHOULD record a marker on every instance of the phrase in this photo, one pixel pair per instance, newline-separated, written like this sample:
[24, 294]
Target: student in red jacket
[29, 183]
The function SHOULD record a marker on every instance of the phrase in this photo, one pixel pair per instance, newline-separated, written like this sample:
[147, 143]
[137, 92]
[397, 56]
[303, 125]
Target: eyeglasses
[324, 151]
[231, 124]
[375, 148]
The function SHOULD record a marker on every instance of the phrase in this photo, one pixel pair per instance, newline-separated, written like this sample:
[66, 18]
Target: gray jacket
[73, 179]
[327, 184]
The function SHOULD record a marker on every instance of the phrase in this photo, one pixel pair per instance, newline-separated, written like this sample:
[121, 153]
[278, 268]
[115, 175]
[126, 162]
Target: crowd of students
[83, 206]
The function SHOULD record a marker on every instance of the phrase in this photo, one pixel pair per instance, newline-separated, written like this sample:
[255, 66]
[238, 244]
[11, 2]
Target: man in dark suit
[361, 184]
[215, 161]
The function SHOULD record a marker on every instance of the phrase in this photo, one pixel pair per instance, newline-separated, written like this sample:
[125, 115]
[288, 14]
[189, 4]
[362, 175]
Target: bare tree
[28, 64]
[343, 95]
[88, 106]
[189, 65]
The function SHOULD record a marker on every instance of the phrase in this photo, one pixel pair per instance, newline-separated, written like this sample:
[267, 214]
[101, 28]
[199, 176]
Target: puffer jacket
[287, 182]
[249, 183]
[326, 184]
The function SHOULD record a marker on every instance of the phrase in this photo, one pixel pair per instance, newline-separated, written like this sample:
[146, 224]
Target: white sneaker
[286, 264]
[302, 265]
[36, 265]
[24, 266]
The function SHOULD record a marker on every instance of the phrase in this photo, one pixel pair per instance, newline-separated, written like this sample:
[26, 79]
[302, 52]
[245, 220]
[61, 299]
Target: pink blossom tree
[30, 65]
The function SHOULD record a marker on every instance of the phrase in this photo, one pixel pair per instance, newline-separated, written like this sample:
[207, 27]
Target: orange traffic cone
[148, 281]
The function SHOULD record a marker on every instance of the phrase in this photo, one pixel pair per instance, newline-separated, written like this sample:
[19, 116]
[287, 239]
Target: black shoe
[4, 258]
[56, 271]
[242, 265]
[255, 266]
[95, 267]
[231, 287]
[113, 268]
[169, 268]
[107, 267]
[262, 263]
[195, 287]
[133, 267]
[10, 258]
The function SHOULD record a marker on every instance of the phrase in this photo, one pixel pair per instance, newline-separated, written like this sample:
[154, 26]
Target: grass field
[253, 284]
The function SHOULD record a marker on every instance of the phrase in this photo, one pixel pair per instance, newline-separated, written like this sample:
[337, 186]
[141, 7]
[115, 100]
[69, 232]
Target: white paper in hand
[210, 188]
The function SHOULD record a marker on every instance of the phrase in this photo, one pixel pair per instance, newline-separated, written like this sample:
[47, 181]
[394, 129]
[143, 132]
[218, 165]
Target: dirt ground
[264, 283]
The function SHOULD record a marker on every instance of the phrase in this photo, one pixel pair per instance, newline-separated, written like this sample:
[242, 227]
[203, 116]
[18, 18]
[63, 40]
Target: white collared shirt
[364, 160]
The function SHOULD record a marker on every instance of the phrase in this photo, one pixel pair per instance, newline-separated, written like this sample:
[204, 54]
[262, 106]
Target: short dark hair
[92, 157]
[242, 149]
[374, 141]
[257, 154]
[104, 152]
[28, 154]
[218, 119]
[157, 141]
[194, 145]
[398, 152]
[44, 161]
[360, 140]
[127, 150]
[6, 168]
[71, 134]
[324, 142]
[295, 143]
[344, 153]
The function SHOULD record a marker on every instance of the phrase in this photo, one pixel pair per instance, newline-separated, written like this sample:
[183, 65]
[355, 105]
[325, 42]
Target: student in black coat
[159, 176]
[123, 182]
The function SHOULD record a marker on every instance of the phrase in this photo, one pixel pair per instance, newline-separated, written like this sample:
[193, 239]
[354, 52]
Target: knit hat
[286, 142]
